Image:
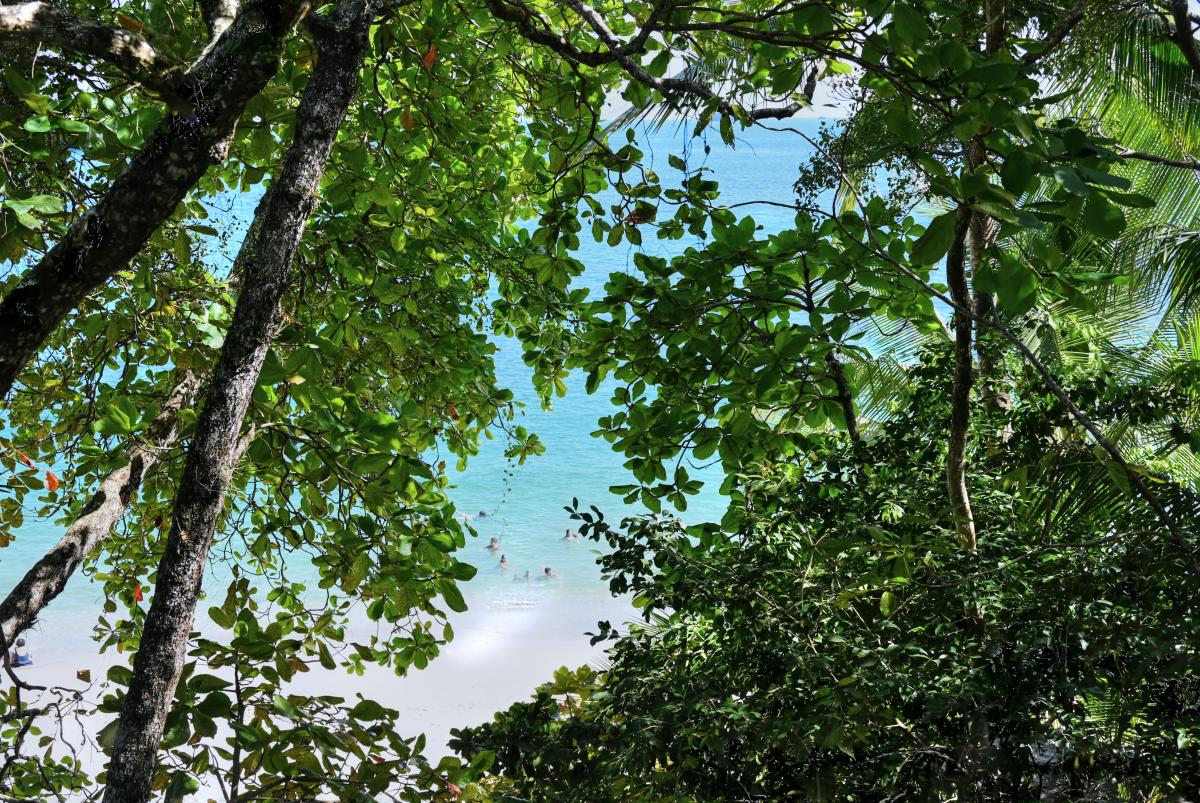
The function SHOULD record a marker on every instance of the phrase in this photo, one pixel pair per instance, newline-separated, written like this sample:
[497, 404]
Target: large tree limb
[960, 399]
[218, 15]
[46, 580]
[62, 30]
[266, 259]
[106, 238]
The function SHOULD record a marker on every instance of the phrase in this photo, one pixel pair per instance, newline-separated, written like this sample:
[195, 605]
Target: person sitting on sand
[549, 574]
[504, 565]
[19, 655]
[494, 546]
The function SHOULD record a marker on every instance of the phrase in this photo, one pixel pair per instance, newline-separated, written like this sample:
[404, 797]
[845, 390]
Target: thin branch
[1058, 35]
[533, 26]
[1186, 164]
[48, 577]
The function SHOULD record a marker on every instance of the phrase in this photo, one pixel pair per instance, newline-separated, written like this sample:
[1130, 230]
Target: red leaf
[21, 456]
[129, 23]
[454, 790]
[429, 57]
[453, 412]
[137, 592]
[52, 483]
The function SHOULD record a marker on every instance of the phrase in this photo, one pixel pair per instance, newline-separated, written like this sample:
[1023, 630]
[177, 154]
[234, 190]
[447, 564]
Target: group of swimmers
[547, 573]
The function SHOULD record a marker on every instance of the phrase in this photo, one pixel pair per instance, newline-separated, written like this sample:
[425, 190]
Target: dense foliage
[954, 402]
[838, 646]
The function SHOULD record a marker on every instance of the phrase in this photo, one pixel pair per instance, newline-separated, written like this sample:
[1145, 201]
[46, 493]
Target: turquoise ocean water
[524, 504]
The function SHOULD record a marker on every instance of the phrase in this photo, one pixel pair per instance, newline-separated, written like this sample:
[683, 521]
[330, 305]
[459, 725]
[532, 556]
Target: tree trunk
[266, 258]
[983, 236]
[106, 238]
[46, 580]
[960, 411]
[845, 399]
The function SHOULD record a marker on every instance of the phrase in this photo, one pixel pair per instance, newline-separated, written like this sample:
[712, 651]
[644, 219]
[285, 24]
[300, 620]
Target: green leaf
[936, 241]
[286, 708]
[452, 596]
[1102, 218]
[1017, 171]
[38, 124]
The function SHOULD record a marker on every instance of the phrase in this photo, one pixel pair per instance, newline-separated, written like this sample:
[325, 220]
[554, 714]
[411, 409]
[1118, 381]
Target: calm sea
[524, 504]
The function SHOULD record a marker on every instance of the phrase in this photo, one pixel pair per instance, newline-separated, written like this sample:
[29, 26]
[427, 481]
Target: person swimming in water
[481, 514]
[504, 564]
[549, 574]
[571, 536]
[494, 546]
[528, 576]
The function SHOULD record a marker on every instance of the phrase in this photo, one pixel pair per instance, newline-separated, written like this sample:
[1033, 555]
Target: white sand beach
[502, 650]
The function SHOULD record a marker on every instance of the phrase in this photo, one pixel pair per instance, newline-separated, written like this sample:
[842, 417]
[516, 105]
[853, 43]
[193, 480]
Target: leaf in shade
[429, 57]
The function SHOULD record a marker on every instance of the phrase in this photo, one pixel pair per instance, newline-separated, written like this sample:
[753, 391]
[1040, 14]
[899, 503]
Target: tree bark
[46, 580]
[983, 236]
[44, 23]
[1183, 38]
[960, 400]
[995, 396]
[106, 238]
[266, 259]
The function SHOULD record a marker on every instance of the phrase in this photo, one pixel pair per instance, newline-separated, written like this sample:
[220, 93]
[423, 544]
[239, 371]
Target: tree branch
[845, 399]
[1182, 36]
[46, 580]
[218, 15]
[1186, 164]
[960, 411]
[108, 237]
[125, 50]
[1058, 35]
[266, 257]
